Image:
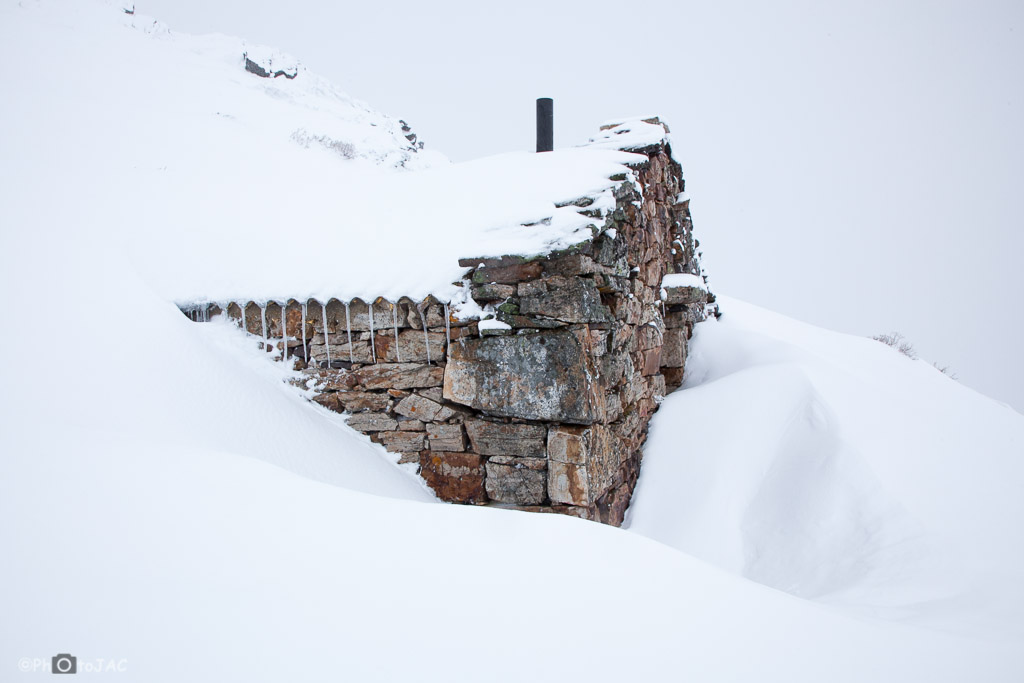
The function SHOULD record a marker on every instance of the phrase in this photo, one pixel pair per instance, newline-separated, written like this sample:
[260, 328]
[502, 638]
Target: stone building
[533, 387]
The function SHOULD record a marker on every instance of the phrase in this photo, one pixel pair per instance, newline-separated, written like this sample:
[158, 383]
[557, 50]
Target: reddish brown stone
[508, 275]
[294, 324]
[673, 377]
[652, 362]
[454, 477]
[329, 401]
[568, 483]
[611, 509]
[650, 337]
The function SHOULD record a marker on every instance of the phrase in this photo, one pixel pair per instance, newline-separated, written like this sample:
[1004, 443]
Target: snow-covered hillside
[218, 184]
[171, 504]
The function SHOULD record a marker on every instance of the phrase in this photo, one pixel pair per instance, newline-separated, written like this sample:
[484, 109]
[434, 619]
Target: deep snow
[219, 185]
[837, 469]
[170, 500]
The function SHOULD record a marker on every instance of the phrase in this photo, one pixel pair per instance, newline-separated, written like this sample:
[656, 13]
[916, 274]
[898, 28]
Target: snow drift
[835, 468]
[169, 501]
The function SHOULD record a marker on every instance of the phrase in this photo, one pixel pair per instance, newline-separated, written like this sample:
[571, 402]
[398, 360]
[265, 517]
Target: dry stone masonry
[544, 404]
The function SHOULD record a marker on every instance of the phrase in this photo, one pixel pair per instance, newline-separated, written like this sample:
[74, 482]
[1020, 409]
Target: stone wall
[544, 404]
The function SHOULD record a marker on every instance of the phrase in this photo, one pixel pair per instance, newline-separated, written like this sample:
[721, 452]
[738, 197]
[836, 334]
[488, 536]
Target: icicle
[327, 340]
[348, 328]
[426, 337]
[373, 347]
[394, 318]
[263, 321]
[447, 326]
[241, 317]
[305, 353]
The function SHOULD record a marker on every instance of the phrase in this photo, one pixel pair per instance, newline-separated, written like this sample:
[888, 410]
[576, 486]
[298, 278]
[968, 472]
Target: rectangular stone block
[360, 352]
[434, 314]
[532, 288]
[359, 316]
[454, 477]
[685, 295]
[567, 444]
[411, 347]
[575, 264]
[329, 379]
[493, 292]
[361, 401]
[568, 483]
[542, 376]
[649, 336]
[434, 393]
[491, 261]
[372, 422]
[493, 438]
[508, 275]
[673, 353]
[652, 362]
[679, 319]
[569, 299]
[329, 401]
[398, 376]
[403, 442]
[446, 438]
[584, 460]
[422, 408]
[516, 481]
[673, 377]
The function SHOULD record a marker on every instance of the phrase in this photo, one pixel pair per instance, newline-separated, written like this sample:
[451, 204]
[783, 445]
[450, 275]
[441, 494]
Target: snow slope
[834, 468]
[221, 185]
[170, 502]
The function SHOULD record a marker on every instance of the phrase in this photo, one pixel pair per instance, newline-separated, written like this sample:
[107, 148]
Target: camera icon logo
[64, 664]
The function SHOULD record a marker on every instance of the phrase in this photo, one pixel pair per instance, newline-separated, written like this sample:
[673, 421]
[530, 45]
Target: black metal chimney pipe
[545, 124]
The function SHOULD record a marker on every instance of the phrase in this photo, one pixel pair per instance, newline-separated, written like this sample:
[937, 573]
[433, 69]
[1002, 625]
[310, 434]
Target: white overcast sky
[855, 165]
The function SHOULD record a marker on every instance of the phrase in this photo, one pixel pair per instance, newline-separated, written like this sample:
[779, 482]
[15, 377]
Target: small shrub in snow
[903, 345]
[343, 149]
[898, 342]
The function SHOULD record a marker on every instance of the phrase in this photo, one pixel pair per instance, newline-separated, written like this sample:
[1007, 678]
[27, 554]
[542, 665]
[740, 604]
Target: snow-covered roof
[226, 185]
